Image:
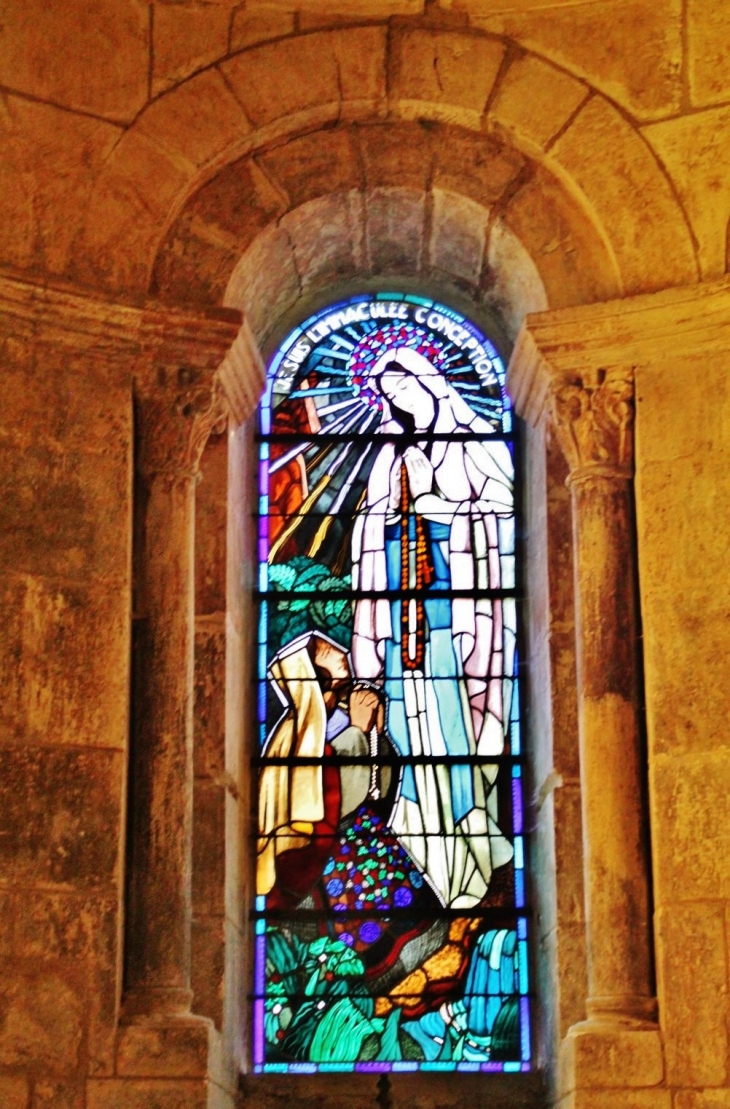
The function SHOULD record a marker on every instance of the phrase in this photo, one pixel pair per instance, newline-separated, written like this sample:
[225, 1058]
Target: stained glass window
[391, 925]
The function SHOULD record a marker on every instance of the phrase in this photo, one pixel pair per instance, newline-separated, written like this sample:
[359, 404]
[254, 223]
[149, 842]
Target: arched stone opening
[526, 134]
[429, 201]
[348, 241]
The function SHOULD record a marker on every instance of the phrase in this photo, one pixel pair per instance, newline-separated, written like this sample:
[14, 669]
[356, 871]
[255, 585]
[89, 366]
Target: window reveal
[390, 913]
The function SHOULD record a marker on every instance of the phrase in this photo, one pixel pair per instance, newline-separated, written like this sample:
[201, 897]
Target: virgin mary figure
[438, 493]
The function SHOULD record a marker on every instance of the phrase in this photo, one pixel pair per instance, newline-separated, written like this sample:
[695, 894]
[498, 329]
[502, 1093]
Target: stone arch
[433, 201]
[439, 240]
[293, 94]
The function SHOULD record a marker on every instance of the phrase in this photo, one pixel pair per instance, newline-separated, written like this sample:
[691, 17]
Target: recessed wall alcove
[441, 243]
[497, 229]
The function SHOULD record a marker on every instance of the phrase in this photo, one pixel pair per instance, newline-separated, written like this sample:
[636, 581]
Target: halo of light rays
[339, 409]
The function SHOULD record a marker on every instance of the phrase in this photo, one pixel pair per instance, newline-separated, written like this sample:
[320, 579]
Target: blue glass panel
[525, 1028]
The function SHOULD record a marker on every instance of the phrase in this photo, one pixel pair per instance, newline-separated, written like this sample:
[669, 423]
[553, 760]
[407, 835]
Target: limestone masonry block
[121, 229]
[61, 932]
[325, 236]
[693, 992]
[568, 854]
[197, 258]
[313, 165]
[209, 846]
[570, 253]
[687, 711]
[695, 152]
[477, 8]
[59, 1095]
[473, 165]
[60, 816]
[591, 41]
[80, 505]
[81, 405]
[660, 386]
[534, 100]
[708, 485]
[210, 701]
[654, 1098]
[266, 276]
[446, 75]
[564, 702]
[61, 153]
[207, 967]
[46, 625]
[690, 807]
[361, 60]
[517, 286]
[211, 495]
[395, 155]
[13, 1092]
[196, 122]
[643, 248]
[176, 1050]
[572, 976]
[18, 223]
[186, 37]
[281, 79]
[375, 9]
[106, 69]
[708, 35]
[702, 1099]
[120, 1093]
[458, 235]
[62, 926]
[595, 1056]
[251, 25]
[394, 230]
[42, 1019]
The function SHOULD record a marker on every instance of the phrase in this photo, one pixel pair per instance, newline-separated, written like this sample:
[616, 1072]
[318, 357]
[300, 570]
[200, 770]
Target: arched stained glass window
[390, 917]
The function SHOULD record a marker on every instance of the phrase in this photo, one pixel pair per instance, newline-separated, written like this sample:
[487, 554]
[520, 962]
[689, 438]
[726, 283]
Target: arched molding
[290, 95]
[438, 203]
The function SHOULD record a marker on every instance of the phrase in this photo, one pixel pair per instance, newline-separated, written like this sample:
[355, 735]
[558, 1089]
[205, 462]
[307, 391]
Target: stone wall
[514, 156]
[682, 421]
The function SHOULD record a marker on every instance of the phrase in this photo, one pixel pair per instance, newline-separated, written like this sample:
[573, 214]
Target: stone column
[569, 373]
[170, 440]
[181, 393]
[592, 417]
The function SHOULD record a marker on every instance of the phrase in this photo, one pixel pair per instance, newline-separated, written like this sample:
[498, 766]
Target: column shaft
[158, 957]
[612, 778]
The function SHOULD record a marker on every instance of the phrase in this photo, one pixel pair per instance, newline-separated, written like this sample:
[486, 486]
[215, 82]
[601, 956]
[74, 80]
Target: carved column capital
[191, 378]
[592, 416]
[586, 396]
[175, 421]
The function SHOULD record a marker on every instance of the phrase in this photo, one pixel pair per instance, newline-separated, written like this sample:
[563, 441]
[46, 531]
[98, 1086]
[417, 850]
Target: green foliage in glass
[294, 617]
